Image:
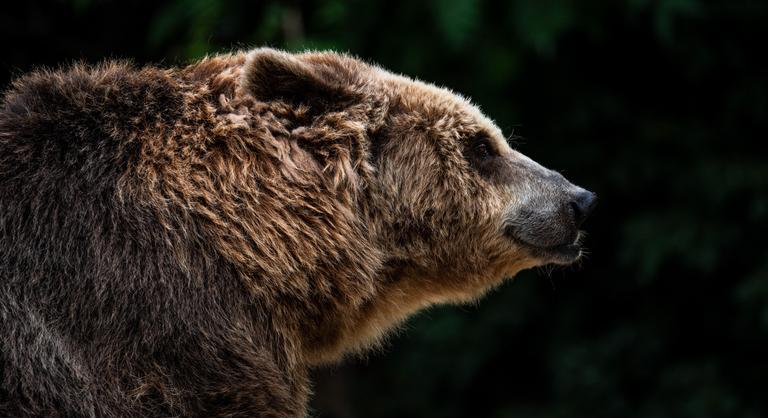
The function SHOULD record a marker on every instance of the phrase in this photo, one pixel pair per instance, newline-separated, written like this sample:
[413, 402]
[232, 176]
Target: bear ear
[269, 74]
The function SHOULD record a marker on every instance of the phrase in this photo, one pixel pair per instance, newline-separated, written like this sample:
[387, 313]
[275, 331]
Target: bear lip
[564, 253]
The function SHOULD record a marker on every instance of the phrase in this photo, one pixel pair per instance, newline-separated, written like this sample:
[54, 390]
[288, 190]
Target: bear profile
[191, 241]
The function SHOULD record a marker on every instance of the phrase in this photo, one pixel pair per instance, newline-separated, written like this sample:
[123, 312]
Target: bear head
[450, 207]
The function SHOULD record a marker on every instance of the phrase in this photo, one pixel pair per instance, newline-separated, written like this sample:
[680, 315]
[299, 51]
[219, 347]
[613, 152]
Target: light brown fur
[277, 237]
[296, 208]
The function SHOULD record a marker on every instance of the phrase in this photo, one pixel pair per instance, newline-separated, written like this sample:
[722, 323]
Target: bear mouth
[561, 253]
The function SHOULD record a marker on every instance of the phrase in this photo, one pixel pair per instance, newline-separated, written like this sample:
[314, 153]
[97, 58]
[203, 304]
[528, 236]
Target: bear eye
[482, 149]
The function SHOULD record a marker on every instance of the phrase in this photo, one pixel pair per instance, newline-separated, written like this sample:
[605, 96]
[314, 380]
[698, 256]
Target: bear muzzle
[548, 225]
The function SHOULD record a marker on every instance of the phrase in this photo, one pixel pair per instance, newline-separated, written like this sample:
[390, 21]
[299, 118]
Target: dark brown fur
[190, 241]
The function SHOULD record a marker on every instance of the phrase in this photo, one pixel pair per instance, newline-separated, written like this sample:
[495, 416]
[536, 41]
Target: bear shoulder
[80, 107]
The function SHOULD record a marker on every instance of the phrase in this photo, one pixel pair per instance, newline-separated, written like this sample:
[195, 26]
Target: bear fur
[190, 241]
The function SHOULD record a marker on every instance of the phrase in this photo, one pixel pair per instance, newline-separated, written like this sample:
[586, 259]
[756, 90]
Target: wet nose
[582, 204]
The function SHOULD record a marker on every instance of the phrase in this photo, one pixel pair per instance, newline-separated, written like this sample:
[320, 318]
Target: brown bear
[189, 242]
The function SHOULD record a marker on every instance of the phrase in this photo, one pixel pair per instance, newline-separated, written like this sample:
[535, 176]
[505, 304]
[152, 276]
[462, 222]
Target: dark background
[660, 107]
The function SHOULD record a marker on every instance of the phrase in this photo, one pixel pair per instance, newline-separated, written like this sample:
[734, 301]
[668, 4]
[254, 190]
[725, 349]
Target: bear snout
[549, 227]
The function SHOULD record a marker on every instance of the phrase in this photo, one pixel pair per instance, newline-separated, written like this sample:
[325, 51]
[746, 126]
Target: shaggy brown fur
[189, 241]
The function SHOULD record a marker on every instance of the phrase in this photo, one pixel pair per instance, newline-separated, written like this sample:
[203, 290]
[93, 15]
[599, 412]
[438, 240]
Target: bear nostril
[582, 205]
[575, 211]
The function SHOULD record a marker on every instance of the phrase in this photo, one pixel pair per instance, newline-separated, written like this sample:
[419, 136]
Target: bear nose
[582, 204]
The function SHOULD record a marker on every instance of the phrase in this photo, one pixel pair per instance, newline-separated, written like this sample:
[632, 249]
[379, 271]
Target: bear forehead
[442, 108]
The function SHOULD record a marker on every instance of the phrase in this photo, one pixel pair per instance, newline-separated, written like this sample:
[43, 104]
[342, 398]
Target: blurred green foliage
[660, 106]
